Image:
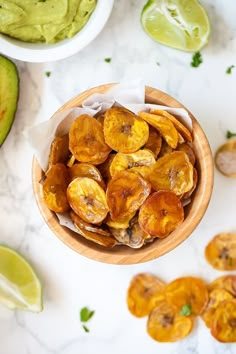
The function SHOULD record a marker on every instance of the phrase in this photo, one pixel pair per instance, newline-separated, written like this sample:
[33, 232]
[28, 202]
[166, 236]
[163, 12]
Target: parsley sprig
[229, 69]
[85, 315]
[186, 310]
[229, 134]
[196, 60]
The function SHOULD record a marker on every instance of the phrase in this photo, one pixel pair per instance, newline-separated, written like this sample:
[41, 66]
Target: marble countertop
[71, 281]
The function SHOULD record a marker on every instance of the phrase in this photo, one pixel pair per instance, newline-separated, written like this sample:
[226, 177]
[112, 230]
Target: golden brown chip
[122, 224]
[188, 149]
[226, 282]
[165, 325]
[126, 192]
[101, 118]
[143, 171]
[188, 194]
[86, 140]
[216, 296]
[165, 127]
[225, 158]
[221, 251]
[144, 291]
[59, 151]
[188, 293]
[104, 168]
[132, 236]
[124, 131]
[101, 230]
[86, 170]
[178, 125]
[54, 188]
[87, 198]
[165, 149]
[223, 327]
[105, 241]
[161, 213]
[172, 172]
[154, 141]
[128, 161]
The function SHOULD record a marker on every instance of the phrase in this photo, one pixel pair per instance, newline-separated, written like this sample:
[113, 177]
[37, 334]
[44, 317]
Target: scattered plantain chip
[161, 213]
[221, 251]
[87, 199]
[226, 282]
[144, 291]
[223, 326]
[225, 159]
[54, 188]
[124, 131]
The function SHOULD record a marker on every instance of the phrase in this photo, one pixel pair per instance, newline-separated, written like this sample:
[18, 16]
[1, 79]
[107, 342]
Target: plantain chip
[86, 170]
[221, 251]
[223, 327]
[101, 230]
[124, 131]
[161, 213]
[87, 198]
[226, 282]
[122, 224]
[86, 140]
[54, 188]
[178, 125]
[59, 151]
[166, 325]
[188, 194]
[105, 241]
[164, 126]
[172, 172]
[188, 149]
[144, 291]
[154, 141]
[128, 161]
[126, 192]
[225, 159]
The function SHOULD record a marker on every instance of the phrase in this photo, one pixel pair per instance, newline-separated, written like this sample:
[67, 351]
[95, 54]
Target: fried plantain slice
[101, 118]
[225, 159]
[187, 291]
[59, 150]
[128, 161]
[86, 140]
[154, 141]
[87, 198]
[86, 170]
[125, 193]
[105, 241]
[178, 125]
[104, 168]
[161, 213]
[221, 251]
[124, 131]
[101, 230]
[165, 127]
[122, 224]
[188, 194]
[188, 149]
[132, 236]
[226, 282]
[216, 296]
[165, 325]
[54, 188]
[223, 327]
[144, 291]
[172, 172]
[165, 149]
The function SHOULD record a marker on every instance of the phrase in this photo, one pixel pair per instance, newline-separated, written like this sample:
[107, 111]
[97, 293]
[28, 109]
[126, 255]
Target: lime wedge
[181, 24]
[20, 287]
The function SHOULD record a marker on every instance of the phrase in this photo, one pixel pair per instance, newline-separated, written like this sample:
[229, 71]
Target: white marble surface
[69, 280]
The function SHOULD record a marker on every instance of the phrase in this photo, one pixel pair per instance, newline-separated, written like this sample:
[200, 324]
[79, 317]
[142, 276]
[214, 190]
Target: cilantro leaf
[229, 134]
[86, 314]
[229, 69]
[107, 60]
[85, 329]
[48, 73]
[196, 60]
[186, 310]
[230, 262]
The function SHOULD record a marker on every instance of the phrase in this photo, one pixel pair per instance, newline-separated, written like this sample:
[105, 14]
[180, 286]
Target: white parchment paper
[130, 94]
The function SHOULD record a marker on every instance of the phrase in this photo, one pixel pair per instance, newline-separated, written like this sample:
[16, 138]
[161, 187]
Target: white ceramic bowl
[40, 52]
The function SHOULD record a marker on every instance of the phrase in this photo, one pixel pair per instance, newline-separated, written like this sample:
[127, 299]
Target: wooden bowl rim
[124, 254]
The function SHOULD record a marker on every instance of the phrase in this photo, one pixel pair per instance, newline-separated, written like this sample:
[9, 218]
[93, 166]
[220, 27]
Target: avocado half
[9, 92]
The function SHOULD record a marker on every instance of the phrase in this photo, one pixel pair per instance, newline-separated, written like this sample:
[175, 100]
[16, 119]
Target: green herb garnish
[186, 310]
[107, 60]
[229, 69]
[230, 262]
[48, 73]
[229, 134]
[196, 60]
[85, 329]
[41, 0]
[85, 316]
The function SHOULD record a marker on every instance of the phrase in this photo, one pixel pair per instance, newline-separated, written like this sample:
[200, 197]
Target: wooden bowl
[193, 212]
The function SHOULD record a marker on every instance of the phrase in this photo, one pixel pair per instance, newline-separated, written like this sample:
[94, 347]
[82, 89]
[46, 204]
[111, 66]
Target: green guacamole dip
[47, 21]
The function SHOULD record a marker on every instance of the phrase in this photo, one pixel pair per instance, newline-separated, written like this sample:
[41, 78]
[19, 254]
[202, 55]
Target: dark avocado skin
[9, 93]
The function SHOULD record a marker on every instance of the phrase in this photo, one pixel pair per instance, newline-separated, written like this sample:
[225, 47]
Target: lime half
[20, 287]
[181, 24]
